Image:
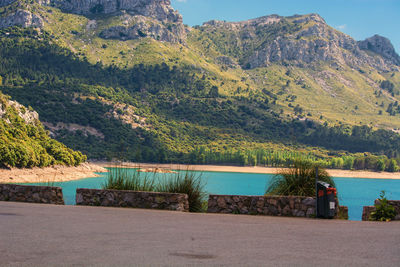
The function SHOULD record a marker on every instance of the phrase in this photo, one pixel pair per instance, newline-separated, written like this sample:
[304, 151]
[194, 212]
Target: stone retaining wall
[132, 199]
[368, 209]
[293, 206]
[262, 205]
[31, 194]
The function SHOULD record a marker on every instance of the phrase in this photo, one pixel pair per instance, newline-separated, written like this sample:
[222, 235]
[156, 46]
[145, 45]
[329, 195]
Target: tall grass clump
[128, 179]
[298, 181]
[186, 182]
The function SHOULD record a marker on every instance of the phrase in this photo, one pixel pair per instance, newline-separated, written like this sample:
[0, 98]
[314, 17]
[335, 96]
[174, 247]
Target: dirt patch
[50, 174]
[194, 256]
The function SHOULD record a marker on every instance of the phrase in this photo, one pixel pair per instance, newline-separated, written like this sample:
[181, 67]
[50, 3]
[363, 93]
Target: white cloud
[341, 27]
[182, 1]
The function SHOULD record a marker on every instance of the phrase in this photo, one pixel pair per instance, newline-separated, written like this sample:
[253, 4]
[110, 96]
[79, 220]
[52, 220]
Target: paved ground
[41, 235]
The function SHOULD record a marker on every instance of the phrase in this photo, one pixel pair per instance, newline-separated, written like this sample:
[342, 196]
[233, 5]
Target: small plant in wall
[384, 211]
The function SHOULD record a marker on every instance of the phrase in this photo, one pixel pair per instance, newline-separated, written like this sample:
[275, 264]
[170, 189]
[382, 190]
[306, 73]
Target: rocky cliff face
[138, 26]
[299, 40]
[139, 18]
[382, 46]
[157, 9]
[22, 18]
[30, 117]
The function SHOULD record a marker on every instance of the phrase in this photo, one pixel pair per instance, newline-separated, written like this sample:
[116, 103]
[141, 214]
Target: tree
[214, 92]
[393, 167]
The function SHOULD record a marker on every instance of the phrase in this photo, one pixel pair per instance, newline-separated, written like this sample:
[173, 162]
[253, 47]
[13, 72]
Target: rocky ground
[49, 174]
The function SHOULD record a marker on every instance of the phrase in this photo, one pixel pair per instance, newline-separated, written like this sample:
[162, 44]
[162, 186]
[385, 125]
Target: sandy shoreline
[86, 170]
[50, 174]
[266, 170]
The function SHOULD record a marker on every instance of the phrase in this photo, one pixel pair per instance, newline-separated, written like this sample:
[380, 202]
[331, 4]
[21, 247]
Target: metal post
[316, 192]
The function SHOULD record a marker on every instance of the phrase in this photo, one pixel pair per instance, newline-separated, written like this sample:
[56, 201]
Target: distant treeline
[274, 158]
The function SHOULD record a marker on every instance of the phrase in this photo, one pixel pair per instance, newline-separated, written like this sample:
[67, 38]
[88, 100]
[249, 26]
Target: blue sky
[357, 18]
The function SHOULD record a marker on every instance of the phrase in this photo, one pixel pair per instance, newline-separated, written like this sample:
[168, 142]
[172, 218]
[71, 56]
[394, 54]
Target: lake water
[353, 192]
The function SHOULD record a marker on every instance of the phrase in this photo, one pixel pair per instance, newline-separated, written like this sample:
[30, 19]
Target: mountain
[299, 40]
[25, 143]
[127, 79]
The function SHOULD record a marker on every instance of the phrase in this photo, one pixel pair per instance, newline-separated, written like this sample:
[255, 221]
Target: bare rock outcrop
[381, 46]
[139, 18]
[29, 116]
[136, 27]
[157, 9]
[22, 18]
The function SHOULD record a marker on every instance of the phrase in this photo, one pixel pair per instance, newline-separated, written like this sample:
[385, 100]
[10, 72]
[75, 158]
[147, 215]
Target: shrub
[380, 165]
[297, 181]
[348, 163]
[384, 211]
[393, 167]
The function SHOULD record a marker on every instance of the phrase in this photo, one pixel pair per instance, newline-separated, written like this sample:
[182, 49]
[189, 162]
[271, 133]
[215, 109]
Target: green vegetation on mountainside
[145, 100]
[182, 111]
[317, 91]
[25, 144]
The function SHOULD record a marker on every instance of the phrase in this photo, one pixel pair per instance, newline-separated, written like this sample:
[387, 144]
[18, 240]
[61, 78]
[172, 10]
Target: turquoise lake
[353, 192]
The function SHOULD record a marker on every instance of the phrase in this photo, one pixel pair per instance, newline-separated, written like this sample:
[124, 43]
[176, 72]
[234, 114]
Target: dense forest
[183, 110]
[25, 144]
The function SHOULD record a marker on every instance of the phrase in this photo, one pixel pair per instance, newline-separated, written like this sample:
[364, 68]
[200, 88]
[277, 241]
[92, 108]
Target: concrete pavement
[43, 235]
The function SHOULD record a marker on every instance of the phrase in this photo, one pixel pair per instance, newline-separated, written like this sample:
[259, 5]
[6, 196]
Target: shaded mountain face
[298, 39]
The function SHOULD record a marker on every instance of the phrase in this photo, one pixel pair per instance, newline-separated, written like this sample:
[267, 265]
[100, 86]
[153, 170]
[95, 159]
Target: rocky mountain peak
[135, 19]
[307, 18]
[265, 20]
[382, 46]
[138, 18]
[157, 9]
[298, 39]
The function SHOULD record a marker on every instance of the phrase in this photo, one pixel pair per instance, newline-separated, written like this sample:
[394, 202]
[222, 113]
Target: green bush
[393, 167]
[25, 145]
[298, 181]
[384, 211]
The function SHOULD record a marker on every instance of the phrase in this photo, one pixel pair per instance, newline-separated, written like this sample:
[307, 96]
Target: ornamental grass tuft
[298, 181]
[129, 179]
[186, 182]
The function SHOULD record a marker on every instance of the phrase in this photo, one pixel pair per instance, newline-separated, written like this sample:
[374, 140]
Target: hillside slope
[133, 82]
[25, 143]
